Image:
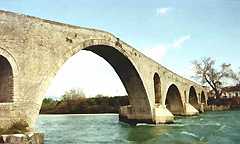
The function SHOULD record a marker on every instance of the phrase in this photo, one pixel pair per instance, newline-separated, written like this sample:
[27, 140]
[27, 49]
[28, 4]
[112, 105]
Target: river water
[208, 128]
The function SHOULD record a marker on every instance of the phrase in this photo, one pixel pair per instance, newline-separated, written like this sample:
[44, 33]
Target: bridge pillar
[202, 105]
[190, 110]
[162, 115]
[127, 114]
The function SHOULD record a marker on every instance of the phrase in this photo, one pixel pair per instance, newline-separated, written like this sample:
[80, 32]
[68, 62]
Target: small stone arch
[8, 73]
[11, 61]
[157, 88]
[6, 80]
[203, 98]
[173, 100]
[193, 98]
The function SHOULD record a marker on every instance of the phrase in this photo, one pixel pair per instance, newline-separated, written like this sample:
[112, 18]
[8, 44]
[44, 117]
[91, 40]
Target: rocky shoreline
[27, 138]
[217, 108]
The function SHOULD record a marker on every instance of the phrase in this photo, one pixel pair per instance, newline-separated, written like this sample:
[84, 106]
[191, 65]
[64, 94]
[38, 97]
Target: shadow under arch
[126, 71]
[6, 80]
[173, 101]
[193, 99]
[157, 88]
[203, 98]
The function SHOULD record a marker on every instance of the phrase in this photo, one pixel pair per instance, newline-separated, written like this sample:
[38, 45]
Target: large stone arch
[157, 88]
[124, 66]
[193, 98]
[126, 72]
[174, 101]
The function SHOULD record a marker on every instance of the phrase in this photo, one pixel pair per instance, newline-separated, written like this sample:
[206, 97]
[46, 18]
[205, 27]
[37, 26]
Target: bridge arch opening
[157, 88]
[6, 80]
[193, 99]
[126, 72]
[173, 101]
[203, 98]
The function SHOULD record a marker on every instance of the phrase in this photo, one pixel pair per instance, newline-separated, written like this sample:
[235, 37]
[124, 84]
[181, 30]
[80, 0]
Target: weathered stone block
[30, 138]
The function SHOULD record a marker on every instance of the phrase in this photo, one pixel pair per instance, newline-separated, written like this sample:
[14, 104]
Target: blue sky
[174, 33]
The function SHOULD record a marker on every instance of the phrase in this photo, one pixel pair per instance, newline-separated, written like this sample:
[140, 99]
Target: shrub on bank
[19, 127]
[77, 103]
[232, 102]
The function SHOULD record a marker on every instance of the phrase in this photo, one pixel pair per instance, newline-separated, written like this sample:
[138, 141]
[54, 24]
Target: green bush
[75, 102]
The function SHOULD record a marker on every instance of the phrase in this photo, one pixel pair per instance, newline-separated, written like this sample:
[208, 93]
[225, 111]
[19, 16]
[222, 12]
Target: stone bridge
[32, 50]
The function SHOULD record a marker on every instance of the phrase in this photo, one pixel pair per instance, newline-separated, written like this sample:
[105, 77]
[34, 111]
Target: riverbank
[82, 105]
[222, 104]
[77, 103]
[217, 108]
[99, 114]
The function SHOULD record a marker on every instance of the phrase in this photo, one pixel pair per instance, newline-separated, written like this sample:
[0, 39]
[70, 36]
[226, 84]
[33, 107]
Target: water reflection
[146, 133]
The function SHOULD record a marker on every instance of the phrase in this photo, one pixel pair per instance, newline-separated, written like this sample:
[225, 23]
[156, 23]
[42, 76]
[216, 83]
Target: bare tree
[73, 94]
[208, 74]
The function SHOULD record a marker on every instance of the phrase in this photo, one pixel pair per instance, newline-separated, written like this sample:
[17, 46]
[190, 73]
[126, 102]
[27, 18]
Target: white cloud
[163, 11]
[156, 53]
[180, 41]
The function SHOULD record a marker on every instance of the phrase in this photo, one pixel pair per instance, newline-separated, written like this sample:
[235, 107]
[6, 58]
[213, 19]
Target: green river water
[208, 128]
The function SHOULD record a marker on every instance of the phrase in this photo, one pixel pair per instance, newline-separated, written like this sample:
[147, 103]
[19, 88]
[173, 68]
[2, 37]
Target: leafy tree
[48, 105]
[48, 101]
[73, 102]
[206, 72]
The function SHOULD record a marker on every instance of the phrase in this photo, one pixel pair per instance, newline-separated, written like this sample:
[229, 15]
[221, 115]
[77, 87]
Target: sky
[174, 33]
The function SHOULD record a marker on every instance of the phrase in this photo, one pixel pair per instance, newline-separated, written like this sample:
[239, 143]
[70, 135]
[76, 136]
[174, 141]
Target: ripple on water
[189, 134]
[209, 128]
